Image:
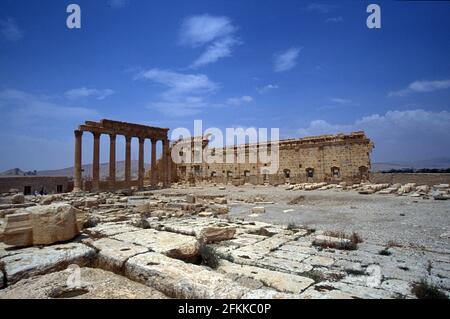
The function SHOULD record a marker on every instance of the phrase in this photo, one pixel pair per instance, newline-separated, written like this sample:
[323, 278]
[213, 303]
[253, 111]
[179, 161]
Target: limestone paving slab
[36, 261]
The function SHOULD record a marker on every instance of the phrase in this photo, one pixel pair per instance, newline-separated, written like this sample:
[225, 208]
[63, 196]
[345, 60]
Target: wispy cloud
[236, 101]
[397, 134]
[10, 30]
[184, 94]
[286, 60]
[334, 20]
[179, 83]
[84, 92]
[214, 32]
[422, 87]
[342, 101]
[265, 88]
[218, 49]
[321, 8]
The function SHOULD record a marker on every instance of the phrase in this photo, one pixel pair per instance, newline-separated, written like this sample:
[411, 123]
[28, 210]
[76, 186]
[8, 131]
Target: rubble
[149, 244]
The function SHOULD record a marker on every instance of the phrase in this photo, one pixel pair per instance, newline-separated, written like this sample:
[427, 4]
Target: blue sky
[307, 67]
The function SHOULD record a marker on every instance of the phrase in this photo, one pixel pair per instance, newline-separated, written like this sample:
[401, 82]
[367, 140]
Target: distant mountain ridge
[87, 171]
[442, 162]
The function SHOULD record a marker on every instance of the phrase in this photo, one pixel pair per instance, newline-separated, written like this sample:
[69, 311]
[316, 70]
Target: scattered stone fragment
[258, 210]
[18, 199]
[215, 234]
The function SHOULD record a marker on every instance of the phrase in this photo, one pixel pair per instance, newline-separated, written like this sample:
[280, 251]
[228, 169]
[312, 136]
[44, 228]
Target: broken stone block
[34, 261]
[220, 200]
[91, 202]
[215, 234]
[258, 210]
[220, 209]
[170, 244]
[178, 279]
[18, 199]
[43, 225]
[190, 198]
[205, 214]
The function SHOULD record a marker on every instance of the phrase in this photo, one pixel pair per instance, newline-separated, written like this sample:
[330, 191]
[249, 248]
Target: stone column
[77, 176]
[128, 160]
[165, 166]
[153, 167]
[112, 161]
[141, 162]
[169, 164]
[96, 163]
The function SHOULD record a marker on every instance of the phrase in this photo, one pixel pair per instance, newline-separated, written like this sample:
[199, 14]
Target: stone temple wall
[330, 158]
[30, 184]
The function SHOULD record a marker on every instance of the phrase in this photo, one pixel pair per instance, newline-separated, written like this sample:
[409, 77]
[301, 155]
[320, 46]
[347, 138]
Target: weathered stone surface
[18, 199]
[170, 244]
[319, 261]
[112, 254]
[180, 280]
[36, 261]
[53, 223]
[280, 281]
[215, 234]
[95, 284]
[43, 225]
[110, 229]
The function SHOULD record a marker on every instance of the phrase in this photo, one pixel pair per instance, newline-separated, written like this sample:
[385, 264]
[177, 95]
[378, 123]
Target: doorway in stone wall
[287, 175]
[27, 190]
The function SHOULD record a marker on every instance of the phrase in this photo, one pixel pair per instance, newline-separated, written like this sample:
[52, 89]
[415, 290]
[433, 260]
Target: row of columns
[112, 161]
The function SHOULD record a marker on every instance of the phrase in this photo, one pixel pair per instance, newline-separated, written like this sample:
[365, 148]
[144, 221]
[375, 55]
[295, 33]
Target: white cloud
[320, 7]
[236, 101]
[398, 135]
[179, 83]
[422, 87]
[334, 20]
[10, 30]
[265, 88]
[201, 29]
[218, 33]
[184, 94]
[218, 49]
[86, 92]
[286, 60]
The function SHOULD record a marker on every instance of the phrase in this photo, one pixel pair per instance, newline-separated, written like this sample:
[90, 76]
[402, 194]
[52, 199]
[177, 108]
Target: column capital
[112, 136]
[141, 140]
[154, 140]
[128, 138]
[96, 134]
[78, 133]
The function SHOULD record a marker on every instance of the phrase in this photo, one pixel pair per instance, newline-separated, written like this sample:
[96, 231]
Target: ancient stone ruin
[317, 228]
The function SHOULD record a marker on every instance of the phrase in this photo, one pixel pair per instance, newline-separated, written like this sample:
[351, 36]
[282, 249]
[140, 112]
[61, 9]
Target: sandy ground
[377, 218]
